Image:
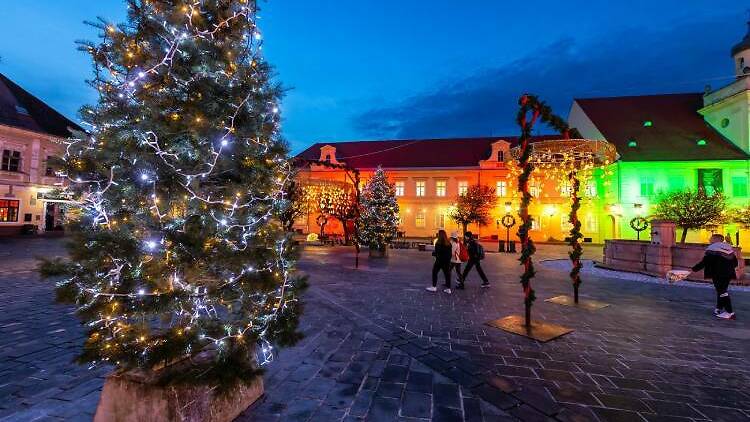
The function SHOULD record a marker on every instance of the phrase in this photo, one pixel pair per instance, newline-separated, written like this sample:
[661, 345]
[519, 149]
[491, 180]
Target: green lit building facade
[672, 142]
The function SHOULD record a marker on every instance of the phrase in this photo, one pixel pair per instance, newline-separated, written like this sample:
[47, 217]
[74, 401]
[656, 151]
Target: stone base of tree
[134, 396]
[379, 252]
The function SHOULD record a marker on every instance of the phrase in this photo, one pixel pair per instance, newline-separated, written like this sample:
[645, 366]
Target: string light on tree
[379, 212]
[186, 257]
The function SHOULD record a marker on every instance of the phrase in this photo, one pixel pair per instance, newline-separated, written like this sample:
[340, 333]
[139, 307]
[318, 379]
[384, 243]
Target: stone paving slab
[655, 354]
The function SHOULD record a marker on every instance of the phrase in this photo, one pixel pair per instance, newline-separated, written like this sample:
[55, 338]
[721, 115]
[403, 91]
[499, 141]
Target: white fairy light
[242, 219]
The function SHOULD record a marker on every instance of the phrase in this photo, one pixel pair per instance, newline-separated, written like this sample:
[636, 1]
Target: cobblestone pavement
[656, 354]
[378, 347]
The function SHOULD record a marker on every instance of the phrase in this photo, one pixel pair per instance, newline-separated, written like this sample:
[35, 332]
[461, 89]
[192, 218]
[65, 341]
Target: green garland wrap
[576, 250]
[530, 110]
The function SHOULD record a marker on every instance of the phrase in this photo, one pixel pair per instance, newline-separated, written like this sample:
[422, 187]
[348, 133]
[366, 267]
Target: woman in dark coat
[442, 254]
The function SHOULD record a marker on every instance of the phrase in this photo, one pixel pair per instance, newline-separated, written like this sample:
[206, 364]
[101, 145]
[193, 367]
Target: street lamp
[507, 221]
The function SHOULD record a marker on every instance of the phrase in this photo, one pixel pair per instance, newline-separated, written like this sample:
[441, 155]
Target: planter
[379, 252]
[135, 396]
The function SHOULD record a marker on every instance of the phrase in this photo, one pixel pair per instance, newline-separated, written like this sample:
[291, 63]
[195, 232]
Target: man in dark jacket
[718, 264]
[475, 260]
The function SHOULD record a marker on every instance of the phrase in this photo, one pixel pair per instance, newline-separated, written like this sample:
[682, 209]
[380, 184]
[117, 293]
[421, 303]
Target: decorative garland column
[527, 244]
[576, 250]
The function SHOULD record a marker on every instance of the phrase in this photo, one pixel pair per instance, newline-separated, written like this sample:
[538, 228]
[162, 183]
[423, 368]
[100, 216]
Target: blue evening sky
[370, 69]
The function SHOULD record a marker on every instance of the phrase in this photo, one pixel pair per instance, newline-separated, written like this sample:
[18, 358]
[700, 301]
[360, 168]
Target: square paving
[379, 347]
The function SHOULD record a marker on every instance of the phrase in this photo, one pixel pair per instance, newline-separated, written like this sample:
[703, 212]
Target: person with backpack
[476, 255]
[718, 264]
[442, 254]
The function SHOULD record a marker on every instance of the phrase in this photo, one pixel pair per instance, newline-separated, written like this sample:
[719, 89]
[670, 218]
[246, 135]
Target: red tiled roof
[20, 109]
[673, 136]
[406, 153]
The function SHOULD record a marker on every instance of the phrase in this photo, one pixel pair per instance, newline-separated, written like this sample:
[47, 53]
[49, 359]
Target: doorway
[49, 217]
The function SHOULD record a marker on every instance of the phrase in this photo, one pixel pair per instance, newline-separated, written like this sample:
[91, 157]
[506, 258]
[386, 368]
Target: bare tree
[474, 206]
[691, 210]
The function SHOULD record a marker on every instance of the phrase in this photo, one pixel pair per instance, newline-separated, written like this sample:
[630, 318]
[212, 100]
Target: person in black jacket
[475, 260]
[442, 254]
[718, 264]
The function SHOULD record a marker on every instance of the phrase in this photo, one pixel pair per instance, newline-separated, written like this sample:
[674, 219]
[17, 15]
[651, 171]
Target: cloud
[683, 58]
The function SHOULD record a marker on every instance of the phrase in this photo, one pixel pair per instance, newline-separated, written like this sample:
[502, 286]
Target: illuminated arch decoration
[571, 160]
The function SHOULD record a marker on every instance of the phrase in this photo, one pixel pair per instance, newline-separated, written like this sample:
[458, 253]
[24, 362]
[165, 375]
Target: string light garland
[567, 157]
[180, 183]
[567, 162]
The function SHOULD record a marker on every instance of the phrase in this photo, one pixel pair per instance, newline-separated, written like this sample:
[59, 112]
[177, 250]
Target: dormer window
[21, 110]
[328, 154]
[501, 156]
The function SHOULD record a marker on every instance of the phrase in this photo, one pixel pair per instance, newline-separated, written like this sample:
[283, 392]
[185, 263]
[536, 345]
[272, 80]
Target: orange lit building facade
[429, 174]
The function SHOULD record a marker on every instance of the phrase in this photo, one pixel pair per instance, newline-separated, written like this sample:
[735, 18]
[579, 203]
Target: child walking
[455, 259]
[719, 263]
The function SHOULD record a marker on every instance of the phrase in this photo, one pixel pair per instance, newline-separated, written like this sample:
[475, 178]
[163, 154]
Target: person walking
[455, 258]
[719, 263]
[476, 255]
[442, 254]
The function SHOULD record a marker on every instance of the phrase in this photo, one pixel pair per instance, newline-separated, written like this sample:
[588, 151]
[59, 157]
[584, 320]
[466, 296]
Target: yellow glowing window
[463, 187]
[440, 187]
[501, 188]
[420, 187]
[400, 187]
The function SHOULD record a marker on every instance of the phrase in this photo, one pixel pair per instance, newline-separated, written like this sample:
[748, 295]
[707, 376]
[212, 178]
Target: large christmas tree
[177, 250]
[378, 220]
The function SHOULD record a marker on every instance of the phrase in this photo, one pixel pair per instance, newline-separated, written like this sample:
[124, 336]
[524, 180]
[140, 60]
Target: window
[399, 187]
[739, 186]
[440, 188]
[710, 180]
[11, 160]
[49, 171]
[647, 186]
[419, 221]
[534, 223]
[676, 183]
[590, 190]
[534, 190]
[420, 187]
[565, 225]
[27, 218]
[22, 110]
[590, 224]
[463, 187]
[440, 220]
[8, 210]
[565, 189]
[501, 188]
[501, 156]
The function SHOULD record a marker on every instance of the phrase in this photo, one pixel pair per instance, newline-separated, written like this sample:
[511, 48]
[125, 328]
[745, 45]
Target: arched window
[501, 156]
[328, 158]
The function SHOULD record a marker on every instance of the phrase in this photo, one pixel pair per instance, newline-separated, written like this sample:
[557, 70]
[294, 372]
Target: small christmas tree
[177, 251]
[379, 212]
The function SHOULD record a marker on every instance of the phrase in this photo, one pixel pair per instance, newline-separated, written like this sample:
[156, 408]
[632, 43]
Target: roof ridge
[636, 96]
[38, 116]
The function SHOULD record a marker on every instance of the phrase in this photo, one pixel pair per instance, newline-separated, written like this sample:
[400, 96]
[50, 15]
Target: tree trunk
[346, 233]
[684, 235]
[464, 226]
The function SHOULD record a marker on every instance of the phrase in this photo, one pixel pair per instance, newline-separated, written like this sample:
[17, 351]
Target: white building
[30, 133]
